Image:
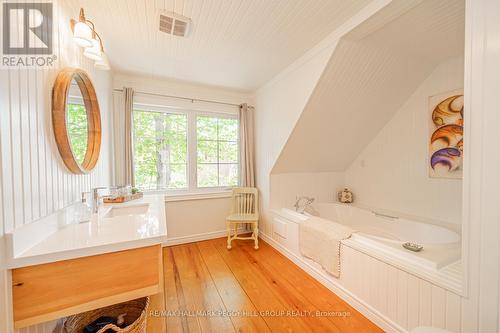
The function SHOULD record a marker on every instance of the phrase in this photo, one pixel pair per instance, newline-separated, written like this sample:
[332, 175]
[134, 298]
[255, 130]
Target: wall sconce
[85, 35]
[82, 32]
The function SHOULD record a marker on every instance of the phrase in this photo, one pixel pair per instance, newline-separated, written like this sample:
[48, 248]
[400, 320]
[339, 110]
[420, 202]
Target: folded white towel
[319, 240]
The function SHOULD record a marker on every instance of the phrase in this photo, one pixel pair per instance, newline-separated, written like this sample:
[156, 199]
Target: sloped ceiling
[238, 44]
[373, 71]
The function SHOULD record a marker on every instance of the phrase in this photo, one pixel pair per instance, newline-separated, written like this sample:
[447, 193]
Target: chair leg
[256, 235]
[228, 228]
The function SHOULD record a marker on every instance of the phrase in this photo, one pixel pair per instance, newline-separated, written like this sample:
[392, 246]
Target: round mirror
[76, 120]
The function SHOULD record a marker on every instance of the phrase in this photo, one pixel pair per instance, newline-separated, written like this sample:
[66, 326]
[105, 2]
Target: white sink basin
[127, 210]
[60, 236]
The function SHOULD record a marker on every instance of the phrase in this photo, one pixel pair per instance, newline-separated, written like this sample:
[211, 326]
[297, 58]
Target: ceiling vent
[174, 24]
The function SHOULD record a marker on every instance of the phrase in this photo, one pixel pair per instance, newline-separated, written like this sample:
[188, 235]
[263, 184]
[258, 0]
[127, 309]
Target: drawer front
[50, 291]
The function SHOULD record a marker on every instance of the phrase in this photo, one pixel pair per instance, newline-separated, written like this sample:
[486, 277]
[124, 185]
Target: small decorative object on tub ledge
[345, 196]
[413, 246]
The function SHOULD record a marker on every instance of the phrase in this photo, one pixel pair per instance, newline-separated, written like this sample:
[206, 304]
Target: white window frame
[192, 145]
[195, 157]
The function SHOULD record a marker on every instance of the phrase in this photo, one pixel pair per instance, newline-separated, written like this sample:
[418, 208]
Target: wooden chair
[244, 210]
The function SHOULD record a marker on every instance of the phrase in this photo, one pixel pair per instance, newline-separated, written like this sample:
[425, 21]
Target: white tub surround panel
[392, 170]
[398, 296]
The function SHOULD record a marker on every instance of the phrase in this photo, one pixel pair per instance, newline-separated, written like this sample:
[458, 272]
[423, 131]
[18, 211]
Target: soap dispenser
[83, 211]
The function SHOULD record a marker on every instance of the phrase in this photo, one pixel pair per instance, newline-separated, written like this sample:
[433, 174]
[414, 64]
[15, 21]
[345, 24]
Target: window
[217, 151]
[160, 150]
[180, 150]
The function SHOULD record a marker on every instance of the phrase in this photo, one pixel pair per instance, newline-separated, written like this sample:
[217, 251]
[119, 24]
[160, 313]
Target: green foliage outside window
[77, 130]
[160, 150]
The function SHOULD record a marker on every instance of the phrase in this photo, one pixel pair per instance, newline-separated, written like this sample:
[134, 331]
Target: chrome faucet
[96, 199]
[302, 203]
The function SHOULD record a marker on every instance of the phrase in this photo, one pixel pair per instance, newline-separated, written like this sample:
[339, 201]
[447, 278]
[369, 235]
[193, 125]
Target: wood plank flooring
[210, 289]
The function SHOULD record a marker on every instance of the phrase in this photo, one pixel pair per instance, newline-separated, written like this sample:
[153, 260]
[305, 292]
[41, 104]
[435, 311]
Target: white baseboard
[198, 237]
[368, 311]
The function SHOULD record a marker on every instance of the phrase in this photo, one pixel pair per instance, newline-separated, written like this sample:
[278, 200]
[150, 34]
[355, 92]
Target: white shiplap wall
[322, 186]
[391, 172]
[33, 181]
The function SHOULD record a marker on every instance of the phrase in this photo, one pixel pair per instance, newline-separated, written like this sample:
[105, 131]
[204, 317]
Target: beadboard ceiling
[233, 43]
[374, 69]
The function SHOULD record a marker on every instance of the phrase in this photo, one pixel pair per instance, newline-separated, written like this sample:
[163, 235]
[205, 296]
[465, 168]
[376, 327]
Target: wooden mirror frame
[60, 92]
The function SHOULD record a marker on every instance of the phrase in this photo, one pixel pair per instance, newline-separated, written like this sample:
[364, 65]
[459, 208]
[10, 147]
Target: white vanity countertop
[141, 224]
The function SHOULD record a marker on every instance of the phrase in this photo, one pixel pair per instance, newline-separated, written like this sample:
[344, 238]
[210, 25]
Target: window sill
[197, 196]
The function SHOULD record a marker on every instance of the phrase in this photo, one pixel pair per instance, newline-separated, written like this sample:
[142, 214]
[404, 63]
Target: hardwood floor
[211, 289]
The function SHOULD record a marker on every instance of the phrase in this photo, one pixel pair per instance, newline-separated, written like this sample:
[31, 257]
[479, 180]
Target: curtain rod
[180, 97]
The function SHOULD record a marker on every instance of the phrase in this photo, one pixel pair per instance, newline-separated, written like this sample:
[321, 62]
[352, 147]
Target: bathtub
[394, 287]
[379, 232]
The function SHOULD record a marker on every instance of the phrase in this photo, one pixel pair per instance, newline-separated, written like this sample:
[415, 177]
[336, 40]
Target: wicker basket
[135, 319]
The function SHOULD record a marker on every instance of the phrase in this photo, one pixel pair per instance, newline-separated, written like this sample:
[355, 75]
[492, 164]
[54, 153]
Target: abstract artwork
[446, 113]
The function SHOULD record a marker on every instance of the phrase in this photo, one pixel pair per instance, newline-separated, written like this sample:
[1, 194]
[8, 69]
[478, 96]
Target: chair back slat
[245, 200]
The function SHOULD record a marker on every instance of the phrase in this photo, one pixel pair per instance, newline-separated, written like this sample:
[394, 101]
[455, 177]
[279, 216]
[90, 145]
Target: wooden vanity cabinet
[54, 290]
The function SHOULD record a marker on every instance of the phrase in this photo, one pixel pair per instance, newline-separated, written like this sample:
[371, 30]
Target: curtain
[247, 166]
[128, 96]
